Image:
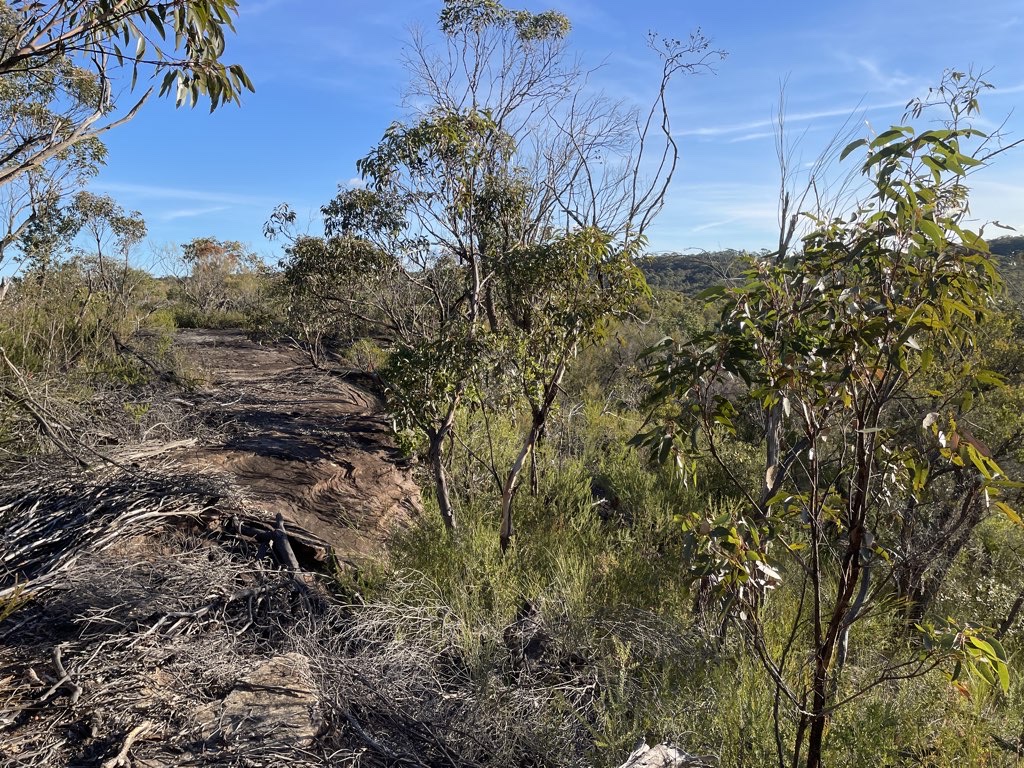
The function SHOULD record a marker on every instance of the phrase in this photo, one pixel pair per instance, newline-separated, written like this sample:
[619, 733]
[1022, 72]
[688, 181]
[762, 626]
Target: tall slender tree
[508, 206]
[62, 64]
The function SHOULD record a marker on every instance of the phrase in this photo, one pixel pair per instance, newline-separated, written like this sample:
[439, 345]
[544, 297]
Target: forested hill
[692, 273]
[1010, 252]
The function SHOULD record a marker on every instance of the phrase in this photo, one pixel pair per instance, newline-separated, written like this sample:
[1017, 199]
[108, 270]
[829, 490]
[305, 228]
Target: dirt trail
[312, 445]
[141, 608]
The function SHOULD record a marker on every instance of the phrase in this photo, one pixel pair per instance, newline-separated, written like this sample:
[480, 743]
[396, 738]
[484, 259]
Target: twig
[63, 679]
[120, 760]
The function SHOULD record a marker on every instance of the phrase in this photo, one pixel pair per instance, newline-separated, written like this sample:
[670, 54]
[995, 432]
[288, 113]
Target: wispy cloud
[790, 117]
[1019, 88]
[751, 137]
[190, 213]
[153, 192]
[712, 225]
[736, 214]
[882, 78]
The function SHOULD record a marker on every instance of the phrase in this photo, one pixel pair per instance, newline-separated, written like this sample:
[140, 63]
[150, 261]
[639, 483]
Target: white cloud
[790, 117]
[751, 137]
[882, 78]
[190, 213]
[154, 192]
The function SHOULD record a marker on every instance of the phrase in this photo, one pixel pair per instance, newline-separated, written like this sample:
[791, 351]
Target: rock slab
[277, 703]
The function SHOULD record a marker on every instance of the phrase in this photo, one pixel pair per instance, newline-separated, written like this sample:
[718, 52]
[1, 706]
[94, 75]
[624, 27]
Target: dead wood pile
[154, 624]
[135, 599]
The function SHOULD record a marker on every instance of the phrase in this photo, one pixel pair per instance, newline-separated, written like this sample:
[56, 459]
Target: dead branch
[120, 760]
[64, 679]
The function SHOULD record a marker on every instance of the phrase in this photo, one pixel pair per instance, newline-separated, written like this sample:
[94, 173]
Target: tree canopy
[61, 64]
[498, 224]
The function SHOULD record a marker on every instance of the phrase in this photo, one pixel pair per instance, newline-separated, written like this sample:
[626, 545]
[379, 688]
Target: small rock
[276, 702]
[664, 756]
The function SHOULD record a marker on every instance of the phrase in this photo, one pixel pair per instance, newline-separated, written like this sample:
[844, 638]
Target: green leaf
[982, 645]
[997, 646]
[1009, 512]
[934, 233]
[985, 671]
[887, 137]
[990, 378]
[966, 401]
[852, 146]
[1004, 676]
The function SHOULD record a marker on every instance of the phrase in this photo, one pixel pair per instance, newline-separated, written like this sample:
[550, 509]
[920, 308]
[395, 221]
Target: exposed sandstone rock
[664, 756]
[314, 446]
[276, 702]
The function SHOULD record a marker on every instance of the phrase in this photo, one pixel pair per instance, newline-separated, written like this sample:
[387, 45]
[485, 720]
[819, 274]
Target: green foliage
[828, 347]
[602, 579]
[604, 574]
[460, 16]
[59, 65]
[80, 324]
[367, 356]
[136, 34]
[223, 285]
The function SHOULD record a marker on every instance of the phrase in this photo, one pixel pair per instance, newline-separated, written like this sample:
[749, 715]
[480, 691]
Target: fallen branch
[120, 760]
[282, 547]
[64, 679]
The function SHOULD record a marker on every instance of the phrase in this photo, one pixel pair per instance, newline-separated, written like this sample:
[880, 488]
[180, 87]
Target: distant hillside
[1011, 245]
[1010, 254]
[689, 273]
[692, 273]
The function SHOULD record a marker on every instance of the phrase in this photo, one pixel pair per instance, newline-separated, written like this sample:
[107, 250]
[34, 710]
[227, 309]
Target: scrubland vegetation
[762, 506]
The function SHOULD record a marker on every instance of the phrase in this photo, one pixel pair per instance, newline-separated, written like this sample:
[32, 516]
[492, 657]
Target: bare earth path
[145, 619]
[312, 445]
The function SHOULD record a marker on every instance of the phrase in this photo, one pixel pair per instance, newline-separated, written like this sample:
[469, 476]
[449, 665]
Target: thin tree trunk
[773, 451]
[801, 729]
[827, 636]
[540, 416]
[508, 489]
[435, 454]
[1011, 617]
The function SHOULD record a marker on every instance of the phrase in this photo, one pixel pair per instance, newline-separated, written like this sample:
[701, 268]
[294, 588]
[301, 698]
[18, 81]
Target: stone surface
[664, 756]
[277, 702]
[314, 446]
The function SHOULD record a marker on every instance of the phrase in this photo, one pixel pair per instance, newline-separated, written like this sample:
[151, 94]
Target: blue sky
[329, 80]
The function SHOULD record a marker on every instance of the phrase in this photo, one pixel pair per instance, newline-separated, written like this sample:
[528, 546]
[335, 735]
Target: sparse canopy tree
[110, 235]
[841, 334]
[508, 209]
[110, 230]
[74, 305]
[60, 65]
[213, 267]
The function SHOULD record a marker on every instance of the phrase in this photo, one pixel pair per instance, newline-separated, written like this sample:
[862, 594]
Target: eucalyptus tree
[61, 65]
[505, 211]
[215, 273]
[854, 336]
